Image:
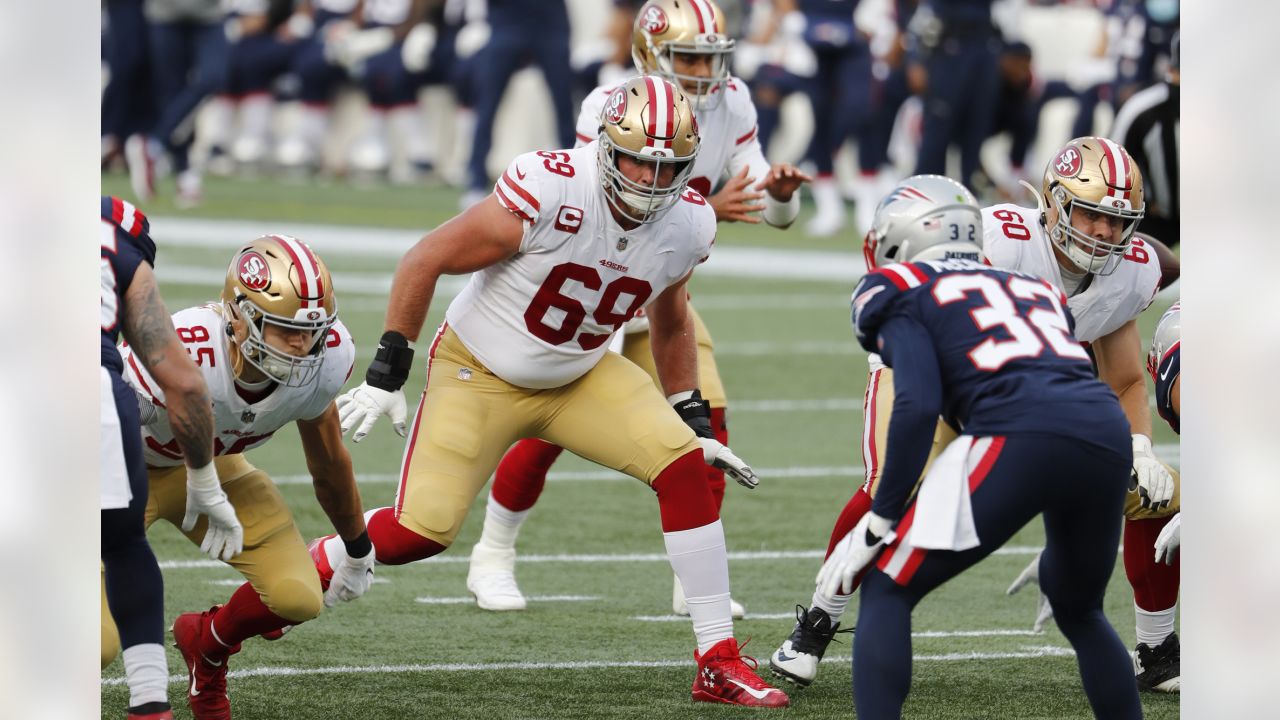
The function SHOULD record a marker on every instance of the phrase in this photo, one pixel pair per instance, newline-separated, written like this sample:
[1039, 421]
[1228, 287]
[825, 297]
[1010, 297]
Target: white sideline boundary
[1026, 653]
[469, 600]
[740, 556]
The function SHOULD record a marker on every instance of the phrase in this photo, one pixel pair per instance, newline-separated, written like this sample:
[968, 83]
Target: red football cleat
[162, 715]
[724, 676]
[316, 548]
[207, 693]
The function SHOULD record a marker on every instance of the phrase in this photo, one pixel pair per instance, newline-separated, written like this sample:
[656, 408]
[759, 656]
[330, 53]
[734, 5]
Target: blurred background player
[992, 352]
[126, 100]
[519, 31]
[684, 42]
[132, 588]
[1149, 124]
[597, 232]
[272, 352]
[188, 54]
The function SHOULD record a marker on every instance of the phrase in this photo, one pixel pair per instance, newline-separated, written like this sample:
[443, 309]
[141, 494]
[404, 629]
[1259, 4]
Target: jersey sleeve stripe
[584, 138]
[159, 449]
[917, 272]
[747, 137]
[512, 207]
[142, 380]
[515, 190]
[895, 275]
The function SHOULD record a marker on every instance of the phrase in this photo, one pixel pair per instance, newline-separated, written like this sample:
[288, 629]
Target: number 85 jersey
[543, 317]
[1014, 239]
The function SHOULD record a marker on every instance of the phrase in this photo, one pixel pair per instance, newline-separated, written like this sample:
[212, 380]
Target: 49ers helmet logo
[254, 272]
[616, 107]
[654, 20]
[1068, 162]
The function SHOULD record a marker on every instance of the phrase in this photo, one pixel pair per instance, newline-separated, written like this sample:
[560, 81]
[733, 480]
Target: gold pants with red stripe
[275, 558]
[613, 415]
[637, 349]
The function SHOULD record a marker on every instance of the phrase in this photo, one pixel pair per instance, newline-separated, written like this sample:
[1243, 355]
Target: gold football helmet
[1098, 175]
[650, 120]
[277, 280]
[694, 27]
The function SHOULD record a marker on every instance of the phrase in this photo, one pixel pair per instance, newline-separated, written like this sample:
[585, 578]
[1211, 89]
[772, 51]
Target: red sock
[715, 476]
[523, 472]
[858, 505]
[684, 500]
[1155, 585]
[243, 617]
[395, 544]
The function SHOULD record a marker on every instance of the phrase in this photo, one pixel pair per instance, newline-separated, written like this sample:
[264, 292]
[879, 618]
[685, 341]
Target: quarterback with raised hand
[272, 352]
[686, 43]
[567, 249]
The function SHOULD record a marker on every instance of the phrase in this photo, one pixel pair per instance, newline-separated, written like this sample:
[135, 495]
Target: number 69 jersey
[1014, 239]
[543, 318]
[238, 425]
[1003, 341]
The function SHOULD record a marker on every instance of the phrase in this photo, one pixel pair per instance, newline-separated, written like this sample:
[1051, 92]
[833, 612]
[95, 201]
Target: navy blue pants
[135, 588]
[386, 81]
[317, 79]
[887, 99]
[188, 63]
[509, 47]
[769, 88]
[841, 99]
[256, 61]
[959, 104]
[126, 101]
[1079, 487]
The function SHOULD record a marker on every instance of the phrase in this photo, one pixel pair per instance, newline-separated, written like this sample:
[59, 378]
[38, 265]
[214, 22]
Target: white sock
[1154, 627]
[700, 560]
[833, 609]
[501, 525]
[147, 674]
[334, 550]
[406, 123]
[255, 116]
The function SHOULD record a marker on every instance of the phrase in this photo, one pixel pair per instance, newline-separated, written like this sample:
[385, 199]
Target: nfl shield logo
[622, 244]
[247, 416]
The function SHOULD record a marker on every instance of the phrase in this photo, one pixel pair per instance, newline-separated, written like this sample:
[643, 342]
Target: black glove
[696, 413]
[391, 364]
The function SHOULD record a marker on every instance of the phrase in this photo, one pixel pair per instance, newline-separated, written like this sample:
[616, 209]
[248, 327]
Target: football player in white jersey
[1080, 237]
[686, 43]
[568, 248]
[272, 352]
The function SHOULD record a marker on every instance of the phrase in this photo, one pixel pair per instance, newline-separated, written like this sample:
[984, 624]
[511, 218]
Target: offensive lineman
[685, 43]
[131, 582]
[1081, 240]
[991, 351]
[570, 246]
[273, 352]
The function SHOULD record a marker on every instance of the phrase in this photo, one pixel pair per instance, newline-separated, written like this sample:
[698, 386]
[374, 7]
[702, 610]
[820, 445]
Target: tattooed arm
[149, 330]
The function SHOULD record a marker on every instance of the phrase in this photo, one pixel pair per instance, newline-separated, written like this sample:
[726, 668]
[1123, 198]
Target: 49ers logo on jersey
[616, 107]
[254, 272]
[1067, 164]
[654, 20]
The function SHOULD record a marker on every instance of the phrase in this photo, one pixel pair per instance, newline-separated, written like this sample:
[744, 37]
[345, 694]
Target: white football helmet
[650, 120]
[1168, 333]
[926, 217]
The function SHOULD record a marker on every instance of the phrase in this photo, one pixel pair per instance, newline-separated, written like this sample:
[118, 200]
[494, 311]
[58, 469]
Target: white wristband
[202, 478]
[781, 214]
[679, 397]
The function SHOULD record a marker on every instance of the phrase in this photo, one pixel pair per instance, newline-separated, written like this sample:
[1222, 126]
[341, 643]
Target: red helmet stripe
[1118, 165]
[697, 11]
[670, 107]
[308, 274]
[653, 110]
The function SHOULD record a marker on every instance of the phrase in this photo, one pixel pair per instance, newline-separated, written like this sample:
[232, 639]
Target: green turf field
[795, 380]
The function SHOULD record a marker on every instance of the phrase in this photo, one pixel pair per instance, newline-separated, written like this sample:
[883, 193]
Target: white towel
[944, 517]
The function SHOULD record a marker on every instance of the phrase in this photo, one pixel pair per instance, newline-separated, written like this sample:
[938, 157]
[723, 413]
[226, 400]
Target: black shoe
[797, 659]
[1158, 669]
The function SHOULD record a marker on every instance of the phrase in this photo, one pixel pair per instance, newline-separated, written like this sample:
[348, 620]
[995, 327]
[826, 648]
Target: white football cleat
[797, 660]
[492, 579]
[679, 607]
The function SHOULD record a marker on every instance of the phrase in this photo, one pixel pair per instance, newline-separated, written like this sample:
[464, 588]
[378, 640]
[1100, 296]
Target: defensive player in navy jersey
[133, 586]
[992, 352]
[1165, 365]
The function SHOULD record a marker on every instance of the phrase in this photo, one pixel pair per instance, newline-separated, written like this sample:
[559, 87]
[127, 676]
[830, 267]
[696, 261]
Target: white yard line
[468, 600]
[1026, 653]
[742, 556]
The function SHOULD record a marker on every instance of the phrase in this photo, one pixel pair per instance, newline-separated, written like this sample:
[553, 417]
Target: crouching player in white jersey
[570, 246]
[686, 43]
[273, 352]
[1081, 240]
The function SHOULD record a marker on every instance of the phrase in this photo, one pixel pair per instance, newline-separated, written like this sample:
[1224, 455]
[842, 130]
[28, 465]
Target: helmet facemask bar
[639, 202]
[707, 92]
[1087, 253]
[283, 367]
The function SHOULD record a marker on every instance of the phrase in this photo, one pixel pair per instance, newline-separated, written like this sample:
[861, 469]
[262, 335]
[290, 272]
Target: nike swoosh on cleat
[785, 657]
[757, 694]
[194, 690]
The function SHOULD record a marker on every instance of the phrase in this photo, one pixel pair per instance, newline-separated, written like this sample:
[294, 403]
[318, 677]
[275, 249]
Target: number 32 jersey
[543, 317]
[238, 425]
[1014, 239]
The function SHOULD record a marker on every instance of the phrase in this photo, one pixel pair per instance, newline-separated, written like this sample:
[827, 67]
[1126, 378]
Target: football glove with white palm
[854, 552]
[352, 576]
[697, 415]
[382, 392]
[1169, 539]
[224, 538]
[1152, 481]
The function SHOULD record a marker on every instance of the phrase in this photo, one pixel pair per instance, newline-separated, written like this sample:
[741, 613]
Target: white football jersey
[1014, 239]
[543, 318]
[238, 425]
[727, 135]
